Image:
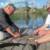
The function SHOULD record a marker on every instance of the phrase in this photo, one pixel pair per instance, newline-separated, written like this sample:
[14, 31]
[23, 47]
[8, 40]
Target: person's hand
[16, 35]
[40, 32]
[35, 32]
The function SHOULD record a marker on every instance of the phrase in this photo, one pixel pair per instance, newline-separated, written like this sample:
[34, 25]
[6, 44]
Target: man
[6, 24]
[44, 31]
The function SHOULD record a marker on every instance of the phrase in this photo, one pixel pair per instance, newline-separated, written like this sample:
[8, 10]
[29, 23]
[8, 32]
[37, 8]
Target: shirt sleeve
[3, 22]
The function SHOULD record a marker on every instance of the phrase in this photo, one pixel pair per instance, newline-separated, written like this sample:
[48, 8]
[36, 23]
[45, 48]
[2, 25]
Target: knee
[1, 35]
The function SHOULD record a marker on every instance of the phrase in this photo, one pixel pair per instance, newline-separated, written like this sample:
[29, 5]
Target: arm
[40, 30]
[13, 26]
[14, 34]
[9, 21]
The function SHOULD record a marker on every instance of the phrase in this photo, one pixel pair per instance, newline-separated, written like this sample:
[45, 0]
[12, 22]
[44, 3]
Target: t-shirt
[48, 21]
[5, 21]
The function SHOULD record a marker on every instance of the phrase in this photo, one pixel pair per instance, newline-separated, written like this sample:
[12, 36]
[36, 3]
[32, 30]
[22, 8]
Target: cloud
[1, 4]
[6, 4]
[13, 1]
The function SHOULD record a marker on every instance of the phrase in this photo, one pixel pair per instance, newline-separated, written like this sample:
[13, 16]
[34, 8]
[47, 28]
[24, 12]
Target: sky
[21, 3]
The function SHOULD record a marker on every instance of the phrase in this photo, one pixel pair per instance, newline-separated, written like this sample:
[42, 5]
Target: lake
[31, 24]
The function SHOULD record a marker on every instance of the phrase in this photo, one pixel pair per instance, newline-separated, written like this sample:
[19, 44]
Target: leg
[42, 32]
[3, 35]
[43, 39]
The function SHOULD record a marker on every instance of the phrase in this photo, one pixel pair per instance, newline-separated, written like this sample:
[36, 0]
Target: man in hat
[44, 31]
[6, 24]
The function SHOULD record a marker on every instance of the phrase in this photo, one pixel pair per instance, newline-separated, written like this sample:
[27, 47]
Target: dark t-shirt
[5, 21]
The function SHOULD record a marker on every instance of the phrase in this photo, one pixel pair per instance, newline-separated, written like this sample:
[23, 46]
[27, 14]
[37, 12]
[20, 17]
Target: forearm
[41, 31]
[8, 29]
[14, 34]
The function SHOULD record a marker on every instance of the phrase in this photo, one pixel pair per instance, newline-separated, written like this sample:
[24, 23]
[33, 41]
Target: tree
[27, 17]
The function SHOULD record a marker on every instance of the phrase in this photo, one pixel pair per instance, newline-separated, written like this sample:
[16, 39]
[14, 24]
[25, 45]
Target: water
[31, 24]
